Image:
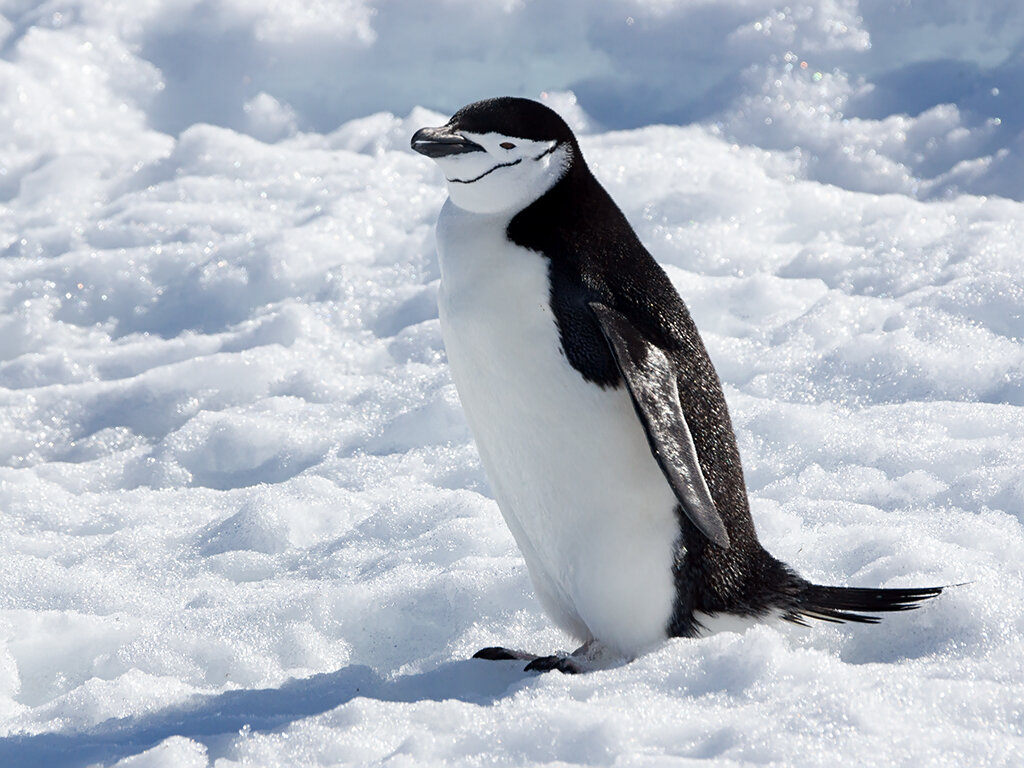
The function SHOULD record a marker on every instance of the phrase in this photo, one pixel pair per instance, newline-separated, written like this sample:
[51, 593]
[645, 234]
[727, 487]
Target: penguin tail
[856, 604]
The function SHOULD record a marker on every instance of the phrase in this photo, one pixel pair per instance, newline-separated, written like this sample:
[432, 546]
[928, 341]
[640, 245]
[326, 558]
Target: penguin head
[499, 155]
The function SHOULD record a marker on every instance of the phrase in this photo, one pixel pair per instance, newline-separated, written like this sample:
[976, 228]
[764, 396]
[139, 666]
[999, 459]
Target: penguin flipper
[651, 380]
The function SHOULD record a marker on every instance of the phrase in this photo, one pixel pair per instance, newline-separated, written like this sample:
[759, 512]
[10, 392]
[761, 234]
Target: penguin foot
[497, 653]
[563, 663]
[587, 658]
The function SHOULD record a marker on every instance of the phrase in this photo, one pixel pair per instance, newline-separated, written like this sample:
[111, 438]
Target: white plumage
[569, 463]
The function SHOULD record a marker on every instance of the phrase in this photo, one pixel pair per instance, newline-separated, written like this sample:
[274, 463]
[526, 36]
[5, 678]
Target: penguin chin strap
[589, 657]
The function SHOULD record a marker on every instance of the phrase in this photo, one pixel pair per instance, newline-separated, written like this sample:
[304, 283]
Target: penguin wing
[651, 380]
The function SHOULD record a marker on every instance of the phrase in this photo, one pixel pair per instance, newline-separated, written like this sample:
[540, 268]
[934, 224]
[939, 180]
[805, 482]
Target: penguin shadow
[208, 719]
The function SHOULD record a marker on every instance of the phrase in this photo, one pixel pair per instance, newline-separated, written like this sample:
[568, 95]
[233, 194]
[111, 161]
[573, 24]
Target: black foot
[588, 657]
[565, 664]
[495, 653]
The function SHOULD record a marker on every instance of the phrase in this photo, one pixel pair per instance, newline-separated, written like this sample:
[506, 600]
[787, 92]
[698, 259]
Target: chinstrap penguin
[599, 418]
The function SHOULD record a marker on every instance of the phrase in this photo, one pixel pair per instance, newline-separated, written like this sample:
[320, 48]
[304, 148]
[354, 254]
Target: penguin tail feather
[856, 604]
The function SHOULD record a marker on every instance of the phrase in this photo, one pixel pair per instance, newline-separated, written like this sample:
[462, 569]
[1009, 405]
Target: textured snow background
[241, 518]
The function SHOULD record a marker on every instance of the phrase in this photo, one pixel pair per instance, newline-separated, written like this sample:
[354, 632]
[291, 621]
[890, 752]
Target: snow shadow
[205, 718]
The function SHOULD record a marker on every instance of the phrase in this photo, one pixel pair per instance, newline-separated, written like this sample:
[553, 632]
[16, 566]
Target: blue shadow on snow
[204, 718]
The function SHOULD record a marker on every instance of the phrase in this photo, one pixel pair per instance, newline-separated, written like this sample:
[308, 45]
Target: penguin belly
[568, 461]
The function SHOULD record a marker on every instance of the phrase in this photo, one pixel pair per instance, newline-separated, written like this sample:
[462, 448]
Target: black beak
[441, 142]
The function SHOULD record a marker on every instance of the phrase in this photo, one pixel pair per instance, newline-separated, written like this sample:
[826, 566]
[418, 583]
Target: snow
[242, 520]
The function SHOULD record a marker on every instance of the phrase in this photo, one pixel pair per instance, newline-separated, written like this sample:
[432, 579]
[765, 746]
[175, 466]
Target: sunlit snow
[242, 520]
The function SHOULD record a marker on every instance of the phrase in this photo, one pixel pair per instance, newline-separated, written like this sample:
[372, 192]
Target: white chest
[568, 462]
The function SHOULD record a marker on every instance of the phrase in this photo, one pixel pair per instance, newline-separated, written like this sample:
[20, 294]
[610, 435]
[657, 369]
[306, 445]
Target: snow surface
[242, 521]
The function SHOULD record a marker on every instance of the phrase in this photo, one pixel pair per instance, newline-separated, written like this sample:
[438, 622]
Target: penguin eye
[507, 145]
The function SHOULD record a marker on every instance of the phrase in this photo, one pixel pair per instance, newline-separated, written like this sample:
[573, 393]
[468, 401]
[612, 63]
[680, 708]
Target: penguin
[599, 418]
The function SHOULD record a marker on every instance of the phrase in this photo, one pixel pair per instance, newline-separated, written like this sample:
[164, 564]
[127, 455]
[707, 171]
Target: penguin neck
[575, 216]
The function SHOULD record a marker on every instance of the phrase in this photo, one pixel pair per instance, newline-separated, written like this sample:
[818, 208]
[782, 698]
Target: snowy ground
[241, 518]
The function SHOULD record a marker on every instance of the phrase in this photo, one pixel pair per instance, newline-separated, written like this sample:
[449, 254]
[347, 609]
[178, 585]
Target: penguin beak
[441, 142]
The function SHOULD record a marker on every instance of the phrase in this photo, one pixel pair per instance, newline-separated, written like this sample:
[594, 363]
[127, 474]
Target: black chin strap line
[545, 153]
